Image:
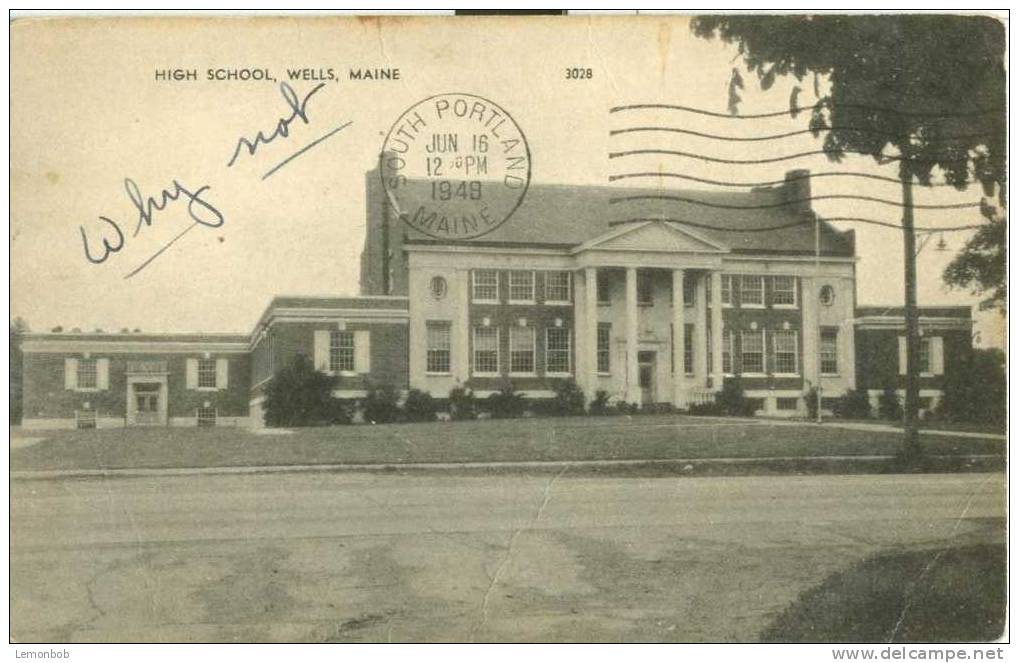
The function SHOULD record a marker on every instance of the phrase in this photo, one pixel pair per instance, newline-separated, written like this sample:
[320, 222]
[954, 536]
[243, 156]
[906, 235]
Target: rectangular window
[557, 350]
[486, 350]
[85, 418]
[787, 403]
[829, 351]
[786, 353]
[603, 287]
[783, 291]
[206, 373]
[752, 351]
[486, 285]
[206, 417]
[521, 350]
[341, 352]
[726, 290]
[726, 351]
[605, 347]
[521, 287]
[87, 374]
[557, 287]
[437, 354]
[925, 355]
[688, 349]
[689, 290]
[644, 289]
[751, 291]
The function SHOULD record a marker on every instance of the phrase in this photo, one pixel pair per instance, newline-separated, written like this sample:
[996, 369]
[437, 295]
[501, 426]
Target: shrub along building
[655, 300]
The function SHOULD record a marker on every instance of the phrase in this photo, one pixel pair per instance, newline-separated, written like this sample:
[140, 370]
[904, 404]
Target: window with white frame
[557, 350]
[688, 349]
[829, 351]
[751, 290]
[485, 284]
[645, 292]
[206, 416]
[752, 351]
[486, 350]
[726, 290]
[786, 343]
[437, 354]
[521, 350]
[726, 351]
[557, 286]
[521, 287]
[88, 374]
[925, 355]
[341, 351]
[689, 290]
[605, 347]
[783, 291]
[604, 286]
[206, 373]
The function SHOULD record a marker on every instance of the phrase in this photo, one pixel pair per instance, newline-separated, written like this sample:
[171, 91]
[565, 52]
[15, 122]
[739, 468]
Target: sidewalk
[886, 428]
[687, 466]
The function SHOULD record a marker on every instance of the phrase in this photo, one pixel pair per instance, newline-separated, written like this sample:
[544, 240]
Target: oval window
[438, 287]
[827, 295]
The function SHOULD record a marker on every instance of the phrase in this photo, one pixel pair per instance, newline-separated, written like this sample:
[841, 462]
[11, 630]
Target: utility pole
[911, 446]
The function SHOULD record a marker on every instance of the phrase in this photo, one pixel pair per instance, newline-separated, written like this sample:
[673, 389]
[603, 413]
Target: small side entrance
[146, 399]
[646, 375]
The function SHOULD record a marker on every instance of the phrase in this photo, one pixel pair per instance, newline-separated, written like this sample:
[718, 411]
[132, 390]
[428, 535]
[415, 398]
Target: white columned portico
[632, 373]
[590, 331]
[716, 330]
[678, 340]
[700, 345]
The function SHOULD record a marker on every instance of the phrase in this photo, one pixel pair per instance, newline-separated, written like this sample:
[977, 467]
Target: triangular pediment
[659, 236]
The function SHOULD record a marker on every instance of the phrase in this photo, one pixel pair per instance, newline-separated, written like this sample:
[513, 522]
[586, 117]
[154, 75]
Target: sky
[87, 112]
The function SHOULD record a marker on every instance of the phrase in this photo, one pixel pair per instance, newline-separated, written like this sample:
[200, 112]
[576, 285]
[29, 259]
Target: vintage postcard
[508, 329]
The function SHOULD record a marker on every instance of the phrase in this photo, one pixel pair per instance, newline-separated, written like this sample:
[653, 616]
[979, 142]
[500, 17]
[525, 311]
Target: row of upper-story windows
[743, 290]
[521, 285]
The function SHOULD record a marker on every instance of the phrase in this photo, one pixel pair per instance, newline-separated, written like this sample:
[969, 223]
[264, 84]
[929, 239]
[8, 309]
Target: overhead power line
[779, 136]
[786, 203]
[765, 183]
[795, 110]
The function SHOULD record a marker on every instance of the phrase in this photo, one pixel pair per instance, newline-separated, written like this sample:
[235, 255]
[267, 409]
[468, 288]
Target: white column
[461, 330]
[590, 332]
[678, 340]
[700, 333]
[632, 373]
[716, 330]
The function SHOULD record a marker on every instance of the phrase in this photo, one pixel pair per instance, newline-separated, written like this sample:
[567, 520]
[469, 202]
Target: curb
[35, 475]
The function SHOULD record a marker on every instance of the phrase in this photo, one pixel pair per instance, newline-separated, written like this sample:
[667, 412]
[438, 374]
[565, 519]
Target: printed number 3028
[578, 73]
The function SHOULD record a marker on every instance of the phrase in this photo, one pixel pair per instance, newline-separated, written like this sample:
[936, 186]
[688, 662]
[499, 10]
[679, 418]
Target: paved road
[370, 557]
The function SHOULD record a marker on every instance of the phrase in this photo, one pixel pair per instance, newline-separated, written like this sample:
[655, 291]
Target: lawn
[567, 439]
[941, 595]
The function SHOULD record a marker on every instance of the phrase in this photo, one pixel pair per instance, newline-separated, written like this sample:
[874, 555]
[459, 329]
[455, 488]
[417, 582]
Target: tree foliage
[926, 90]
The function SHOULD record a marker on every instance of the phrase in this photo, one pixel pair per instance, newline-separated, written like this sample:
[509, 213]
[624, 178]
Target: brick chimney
[797, 188]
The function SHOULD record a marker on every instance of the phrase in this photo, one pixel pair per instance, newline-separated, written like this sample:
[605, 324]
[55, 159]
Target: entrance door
[146, 403]
[646, 372]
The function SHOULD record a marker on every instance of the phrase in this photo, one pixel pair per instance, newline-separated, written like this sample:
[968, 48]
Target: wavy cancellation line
[779, 136]
[793, 224]
[787, 157]
[800, 109]
[767, 183]
[786, 203]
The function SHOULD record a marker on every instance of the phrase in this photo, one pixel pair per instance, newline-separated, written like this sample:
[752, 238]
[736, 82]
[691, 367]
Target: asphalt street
[323, 557]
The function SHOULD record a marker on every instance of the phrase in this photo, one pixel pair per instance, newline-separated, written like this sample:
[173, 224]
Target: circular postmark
[455, 166]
